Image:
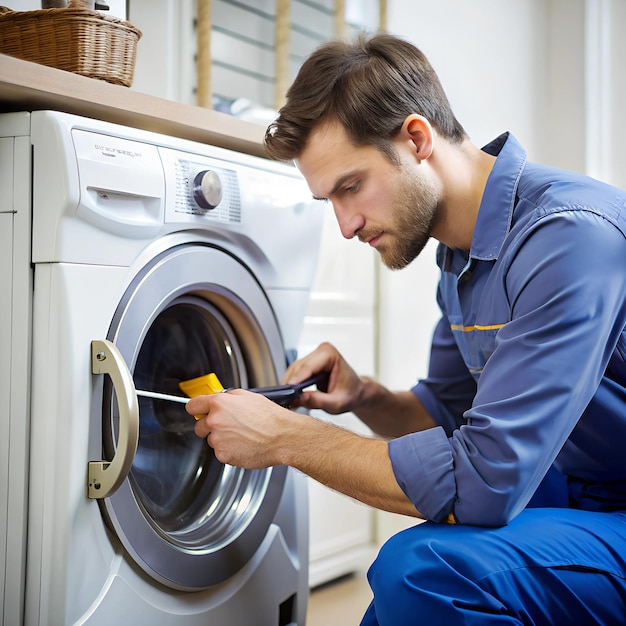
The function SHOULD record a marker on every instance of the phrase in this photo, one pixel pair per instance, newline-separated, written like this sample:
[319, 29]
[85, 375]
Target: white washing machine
[132, 260]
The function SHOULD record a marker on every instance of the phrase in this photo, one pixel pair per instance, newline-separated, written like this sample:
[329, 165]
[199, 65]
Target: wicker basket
[74, 39]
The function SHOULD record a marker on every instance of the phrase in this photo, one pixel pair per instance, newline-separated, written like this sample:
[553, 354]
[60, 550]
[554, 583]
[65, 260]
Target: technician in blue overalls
[514, 446]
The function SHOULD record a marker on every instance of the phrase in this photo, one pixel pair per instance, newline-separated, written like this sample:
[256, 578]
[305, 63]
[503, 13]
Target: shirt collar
[499, 198]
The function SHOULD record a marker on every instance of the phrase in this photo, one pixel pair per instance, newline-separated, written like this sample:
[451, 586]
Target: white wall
[165, 52]
[486, 52]
[605, 90]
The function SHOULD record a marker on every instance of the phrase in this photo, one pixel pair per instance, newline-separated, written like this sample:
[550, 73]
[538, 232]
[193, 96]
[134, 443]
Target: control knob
[207, 189]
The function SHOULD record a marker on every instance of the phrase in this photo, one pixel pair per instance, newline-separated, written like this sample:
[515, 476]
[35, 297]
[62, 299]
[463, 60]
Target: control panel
[199, 186]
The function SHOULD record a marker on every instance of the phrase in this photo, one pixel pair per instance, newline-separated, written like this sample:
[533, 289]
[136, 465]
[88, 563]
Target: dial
[207, 189]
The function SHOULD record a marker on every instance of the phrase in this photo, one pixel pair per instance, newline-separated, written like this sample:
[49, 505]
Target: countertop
[26, 86]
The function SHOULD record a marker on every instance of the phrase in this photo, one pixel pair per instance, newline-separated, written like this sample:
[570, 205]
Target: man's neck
[463, 170]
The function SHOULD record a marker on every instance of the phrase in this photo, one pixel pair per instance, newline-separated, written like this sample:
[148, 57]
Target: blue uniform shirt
[528, 363]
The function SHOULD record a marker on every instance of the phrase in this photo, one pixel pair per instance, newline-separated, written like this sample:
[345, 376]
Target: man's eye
[352, 188]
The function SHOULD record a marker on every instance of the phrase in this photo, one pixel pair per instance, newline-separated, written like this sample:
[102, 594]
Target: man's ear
[417, 129]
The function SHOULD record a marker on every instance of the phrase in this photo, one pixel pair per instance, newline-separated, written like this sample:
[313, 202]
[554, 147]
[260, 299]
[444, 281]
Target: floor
[339, 603]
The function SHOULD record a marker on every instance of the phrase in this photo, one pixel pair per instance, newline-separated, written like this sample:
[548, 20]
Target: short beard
[415, 212]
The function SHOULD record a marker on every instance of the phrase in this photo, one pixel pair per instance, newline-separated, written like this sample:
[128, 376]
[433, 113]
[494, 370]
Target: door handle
[104, 477]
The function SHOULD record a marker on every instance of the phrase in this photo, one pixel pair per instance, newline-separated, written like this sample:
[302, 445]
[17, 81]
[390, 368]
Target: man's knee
[416, 573]
[407, 556]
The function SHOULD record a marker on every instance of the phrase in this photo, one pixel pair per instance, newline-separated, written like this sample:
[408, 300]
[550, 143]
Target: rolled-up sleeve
[422, 464]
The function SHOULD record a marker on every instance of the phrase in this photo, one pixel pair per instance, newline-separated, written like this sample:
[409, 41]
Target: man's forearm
[354, 465]
[391, 414]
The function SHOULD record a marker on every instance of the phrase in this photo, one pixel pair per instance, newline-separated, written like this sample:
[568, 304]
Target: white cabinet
[342, 311]
[16, 288]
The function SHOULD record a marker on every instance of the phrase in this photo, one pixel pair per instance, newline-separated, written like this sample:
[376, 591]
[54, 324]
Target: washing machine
[134, 261]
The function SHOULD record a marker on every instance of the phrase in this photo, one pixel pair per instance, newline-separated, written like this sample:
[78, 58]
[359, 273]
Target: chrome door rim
[203, 554]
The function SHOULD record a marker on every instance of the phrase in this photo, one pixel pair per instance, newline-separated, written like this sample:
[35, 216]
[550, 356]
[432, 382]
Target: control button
[207, 189]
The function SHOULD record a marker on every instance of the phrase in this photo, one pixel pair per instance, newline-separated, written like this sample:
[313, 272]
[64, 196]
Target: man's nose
[350, 222]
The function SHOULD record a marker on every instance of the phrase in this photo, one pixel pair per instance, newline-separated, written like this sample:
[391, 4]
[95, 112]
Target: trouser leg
[548, 566]
[369, 619]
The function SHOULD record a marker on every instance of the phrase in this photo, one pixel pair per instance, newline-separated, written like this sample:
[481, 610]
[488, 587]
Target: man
[524, 405]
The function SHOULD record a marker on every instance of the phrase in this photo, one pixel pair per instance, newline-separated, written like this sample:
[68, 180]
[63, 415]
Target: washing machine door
[186, 519]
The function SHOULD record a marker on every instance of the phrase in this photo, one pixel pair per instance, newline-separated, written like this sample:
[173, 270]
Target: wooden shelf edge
[26, 86]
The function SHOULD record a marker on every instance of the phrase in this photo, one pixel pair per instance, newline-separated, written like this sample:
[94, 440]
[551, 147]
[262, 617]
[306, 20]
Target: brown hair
[369, 86]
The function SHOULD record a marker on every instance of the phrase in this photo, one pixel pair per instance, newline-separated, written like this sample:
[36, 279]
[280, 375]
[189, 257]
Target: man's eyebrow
[340, 182]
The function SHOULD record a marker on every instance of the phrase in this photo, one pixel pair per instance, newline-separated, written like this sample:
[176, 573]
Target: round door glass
[175, 474]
